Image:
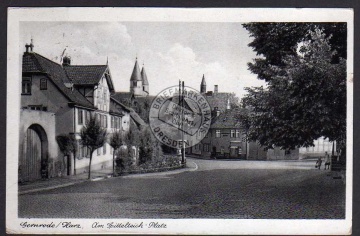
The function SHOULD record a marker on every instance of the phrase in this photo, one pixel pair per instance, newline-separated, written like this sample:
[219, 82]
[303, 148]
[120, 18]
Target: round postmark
[180, 119]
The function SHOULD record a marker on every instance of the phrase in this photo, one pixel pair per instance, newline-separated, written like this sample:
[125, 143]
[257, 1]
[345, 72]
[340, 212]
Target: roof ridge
[36, 54]
[85, 65]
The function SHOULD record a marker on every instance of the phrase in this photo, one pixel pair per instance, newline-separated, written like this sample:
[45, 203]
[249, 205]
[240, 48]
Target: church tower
[136, 87]
[145, 82]
[203, 85]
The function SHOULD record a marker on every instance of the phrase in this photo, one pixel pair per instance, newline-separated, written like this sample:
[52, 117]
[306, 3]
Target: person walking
[318, 163]
[327, 161]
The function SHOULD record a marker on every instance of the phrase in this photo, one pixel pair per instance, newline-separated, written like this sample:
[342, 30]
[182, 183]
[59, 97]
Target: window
[80, 117]
[43, 84]
[237, 135]
[105, 121]
[104, 149]
[135, 84]
[112, 122]
[119, 125]
[98, 151]
[232, 133]
[26, 86]
[37, 107]
[206, 147]
[102, 122]
[87, 115]
[218, 133]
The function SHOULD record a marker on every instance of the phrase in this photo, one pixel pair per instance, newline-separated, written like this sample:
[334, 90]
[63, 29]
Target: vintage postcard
[179, 121]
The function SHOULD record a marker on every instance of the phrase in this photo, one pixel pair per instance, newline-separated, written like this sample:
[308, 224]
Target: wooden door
[234, 151]
[31, 163]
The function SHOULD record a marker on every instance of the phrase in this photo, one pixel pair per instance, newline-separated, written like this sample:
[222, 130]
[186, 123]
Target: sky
[170, 51]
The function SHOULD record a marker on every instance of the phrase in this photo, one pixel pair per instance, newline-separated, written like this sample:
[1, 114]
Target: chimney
[66, 61]
[216, 89]
[27, 47]
[31, 45]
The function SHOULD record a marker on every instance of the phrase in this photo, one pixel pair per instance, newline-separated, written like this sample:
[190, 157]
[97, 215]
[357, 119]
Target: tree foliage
[305, 97]
[68, 145]
[116, 141]
[93, 136]
[274, 41]
[146, 146]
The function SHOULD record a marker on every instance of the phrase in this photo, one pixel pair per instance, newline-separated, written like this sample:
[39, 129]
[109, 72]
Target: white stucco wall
[47, 121]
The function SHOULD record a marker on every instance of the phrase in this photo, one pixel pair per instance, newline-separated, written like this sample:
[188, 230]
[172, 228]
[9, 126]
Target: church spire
[135, 76]
[144, 76]
[145, 81]
[136, 87]
[203, 85]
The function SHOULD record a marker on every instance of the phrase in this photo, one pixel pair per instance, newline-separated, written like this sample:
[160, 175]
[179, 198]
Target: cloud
[92, 43]
[83, 41]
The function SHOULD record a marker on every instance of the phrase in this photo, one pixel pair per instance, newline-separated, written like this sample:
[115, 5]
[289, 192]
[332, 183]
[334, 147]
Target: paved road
[210, 189]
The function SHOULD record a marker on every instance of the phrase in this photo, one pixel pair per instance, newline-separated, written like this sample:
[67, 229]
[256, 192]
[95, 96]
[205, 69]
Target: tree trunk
[74, 163]
[114, 162]
[89, 176]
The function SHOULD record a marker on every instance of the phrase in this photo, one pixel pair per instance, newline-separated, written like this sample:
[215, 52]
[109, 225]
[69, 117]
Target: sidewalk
[59, 182]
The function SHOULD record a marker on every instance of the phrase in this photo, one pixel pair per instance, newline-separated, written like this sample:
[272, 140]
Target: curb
[175, 171]
[50, 187]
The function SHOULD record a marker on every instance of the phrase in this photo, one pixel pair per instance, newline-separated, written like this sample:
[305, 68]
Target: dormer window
[43, 84]
[26, 86]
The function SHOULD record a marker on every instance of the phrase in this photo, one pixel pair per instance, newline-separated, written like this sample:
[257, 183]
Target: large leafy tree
[93, 136]
[305, 96]
[274, 41]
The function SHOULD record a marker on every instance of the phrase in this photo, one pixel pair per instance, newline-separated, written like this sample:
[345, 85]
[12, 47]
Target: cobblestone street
[212, 189]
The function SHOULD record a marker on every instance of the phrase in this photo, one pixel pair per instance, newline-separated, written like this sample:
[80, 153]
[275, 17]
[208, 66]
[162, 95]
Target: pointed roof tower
[144, 77]
[203, 82]
[136, 76]
[203, 85]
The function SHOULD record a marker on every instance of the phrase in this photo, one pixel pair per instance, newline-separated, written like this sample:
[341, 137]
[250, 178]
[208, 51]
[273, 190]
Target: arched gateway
[32, 162]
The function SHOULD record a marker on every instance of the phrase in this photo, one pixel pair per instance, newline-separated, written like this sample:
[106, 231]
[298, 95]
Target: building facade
[226, 137]
[59, 99]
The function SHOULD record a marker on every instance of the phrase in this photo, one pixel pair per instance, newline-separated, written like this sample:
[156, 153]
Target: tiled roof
[134, 116]
[218, 100]
[227, 119]
[35, 63]
[86, 74]
[114, 106]
[123, 97]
